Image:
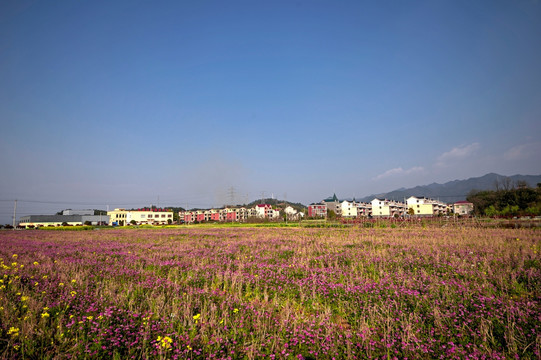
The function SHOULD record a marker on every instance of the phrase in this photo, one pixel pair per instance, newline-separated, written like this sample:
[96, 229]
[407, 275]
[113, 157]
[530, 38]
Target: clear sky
[196, 102]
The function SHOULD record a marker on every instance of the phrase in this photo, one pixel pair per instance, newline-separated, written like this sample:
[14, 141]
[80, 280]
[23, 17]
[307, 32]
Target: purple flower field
[279, 293]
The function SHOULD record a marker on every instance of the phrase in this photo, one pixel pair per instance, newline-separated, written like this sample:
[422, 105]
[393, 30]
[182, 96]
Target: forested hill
[277, 203]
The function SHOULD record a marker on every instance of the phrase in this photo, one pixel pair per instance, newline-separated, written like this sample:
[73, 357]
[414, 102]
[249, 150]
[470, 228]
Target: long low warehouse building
[58, 220]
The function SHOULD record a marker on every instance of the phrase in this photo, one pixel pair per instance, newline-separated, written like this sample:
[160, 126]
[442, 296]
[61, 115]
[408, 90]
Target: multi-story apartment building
[388, 208]
[423, 206]
[266, 211]
[317, 210]
[364, 209]
[463, 208]
[263, 210]
[124, 217]
[230, 214]
[348, 209]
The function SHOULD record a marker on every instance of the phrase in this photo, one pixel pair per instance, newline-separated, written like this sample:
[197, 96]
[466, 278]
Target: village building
[333, 204]
[34, 221]
[388, 208]
[317, 210]
[463, 208]
[292, 214]
[364, 209]
[122, 217]
[422, 206]
[348, 209]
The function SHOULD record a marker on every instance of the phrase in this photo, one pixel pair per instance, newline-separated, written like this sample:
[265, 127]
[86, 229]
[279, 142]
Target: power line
[57, 202]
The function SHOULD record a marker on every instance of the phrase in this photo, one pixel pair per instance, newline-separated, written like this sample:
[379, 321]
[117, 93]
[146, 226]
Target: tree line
[509, 199]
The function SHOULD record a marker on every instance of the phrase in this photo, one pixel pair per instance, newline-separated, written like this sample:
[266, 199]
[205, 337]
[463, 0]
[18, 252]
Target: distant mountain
[456, 190]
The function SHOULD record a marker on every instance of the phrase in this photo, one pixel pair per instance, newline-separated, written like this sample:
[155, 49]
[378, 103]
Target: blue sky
[119, 102]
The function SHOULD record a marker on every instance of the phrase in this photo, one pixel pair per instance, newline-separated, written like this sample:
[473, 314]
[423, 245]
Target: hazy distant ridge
[455, 190]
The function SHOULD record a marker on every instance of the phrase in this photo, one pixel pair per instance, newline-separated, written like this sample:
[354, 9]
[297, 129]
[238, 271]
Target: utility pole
[232, 195]
[262, 196]
[14, 213]
[285, 206]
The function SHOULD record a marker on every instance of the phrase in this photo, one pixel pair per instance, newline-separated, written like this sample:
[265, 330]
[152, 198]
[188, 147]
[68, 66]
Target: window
[142, 216]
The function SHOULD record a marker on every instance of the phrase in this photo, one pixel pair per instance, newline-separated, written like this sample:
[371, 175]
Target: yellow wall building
[426, 207]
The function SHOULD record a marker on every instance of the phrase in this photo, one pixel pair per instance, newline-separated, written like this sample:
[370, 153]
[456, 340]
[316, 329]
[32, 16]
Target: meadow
[278, 293]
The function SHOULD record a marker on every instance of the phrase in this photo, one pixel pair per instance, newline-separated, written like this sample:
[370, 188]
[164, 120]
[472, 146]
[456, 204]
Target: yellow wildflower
[24, 298]
[73, 293]
[164, 342]
[61, 284]
[196, 317]
[90, 317]
[36, 263]
[14, 256]
[13, 331]
[236, 310]
[45, 277]
[45, 315]
[73, 281]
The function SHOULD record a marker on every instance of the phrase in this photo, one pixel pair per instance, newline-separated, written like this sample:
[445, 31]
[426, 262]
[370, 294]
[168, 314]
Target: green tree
[491, 211]
[331, 215]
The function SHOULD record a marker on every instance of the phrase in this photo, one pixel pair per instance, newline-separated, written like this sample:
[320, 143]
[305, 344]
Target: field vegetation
[280, 293]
